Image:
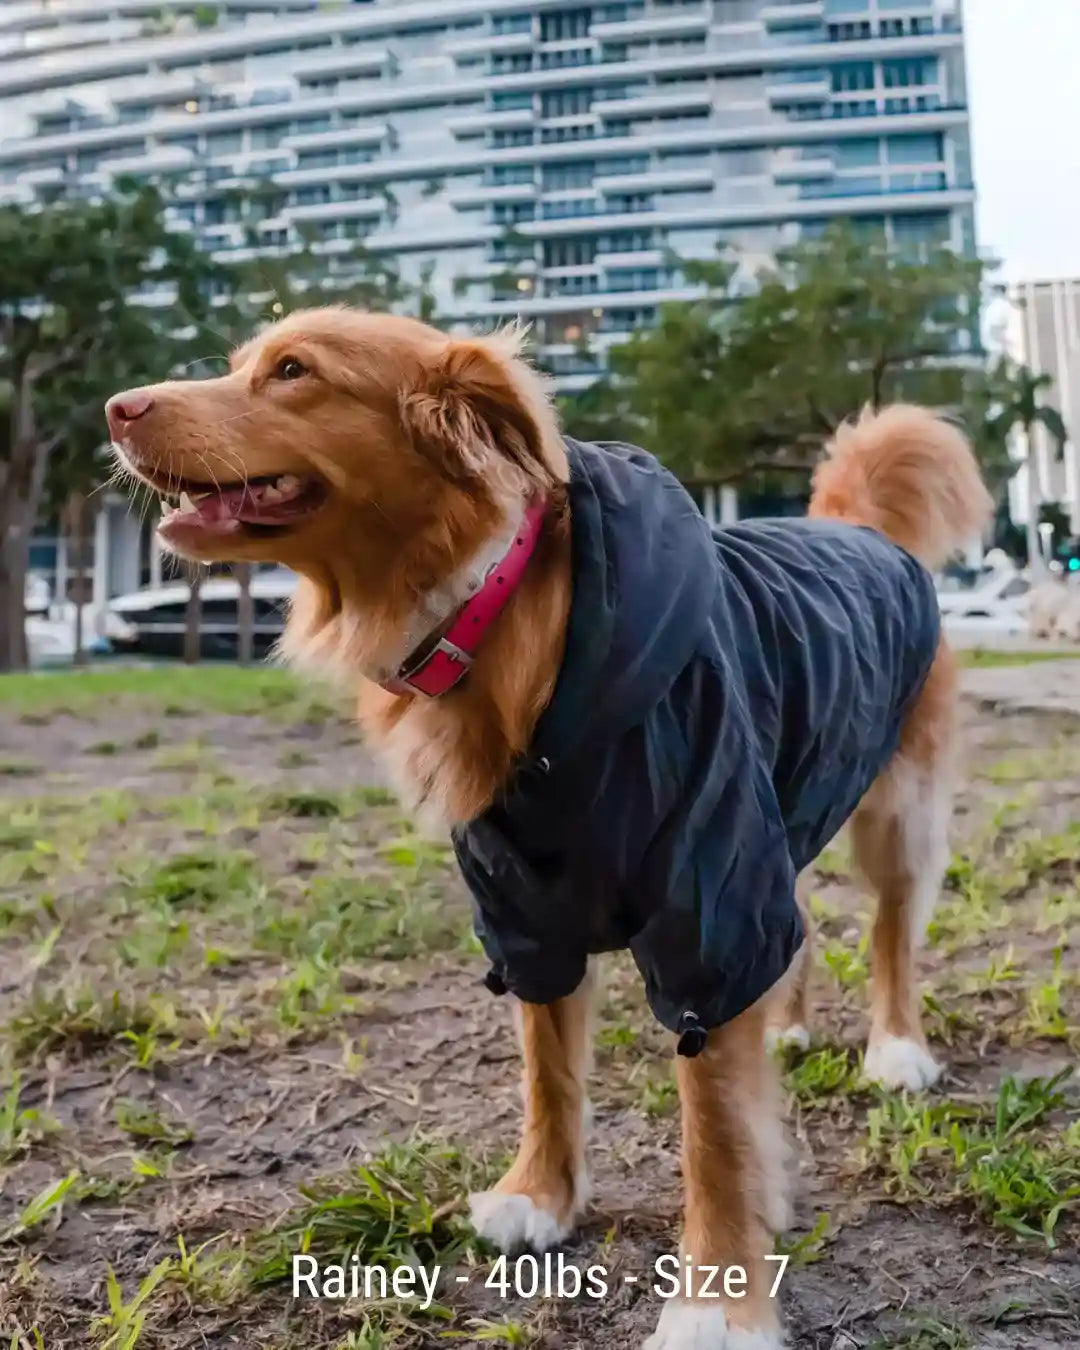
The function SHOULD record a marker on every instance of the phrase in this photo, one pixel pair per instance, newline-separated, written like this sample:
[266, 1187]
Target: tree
[1017, 402]
[193, 615]
[75, 325]
[245, 614]
[756, 373]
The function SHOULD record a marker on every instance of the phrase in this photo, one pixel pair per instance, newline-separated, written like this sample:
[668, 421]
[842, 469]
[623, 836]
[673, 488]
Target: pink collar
[434, 669]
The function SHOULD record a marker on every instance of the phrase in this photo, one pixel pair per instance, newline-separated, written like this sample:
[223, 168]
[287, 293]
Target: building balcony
[654, 25]
[482, 194]
[815, 168]
[491, 119]
[642, 257]
[344, 61]
[657, 180]
[157, 159]
[369, 207]
[782, 93]
[373, 134]
[782, 14]
[685, 100]
[490, 44]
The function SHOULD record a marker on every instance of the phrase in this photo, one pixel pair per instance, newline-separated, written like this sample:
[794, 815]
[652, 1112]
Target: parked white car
[37, 594]
[153, 619]
[997, 603]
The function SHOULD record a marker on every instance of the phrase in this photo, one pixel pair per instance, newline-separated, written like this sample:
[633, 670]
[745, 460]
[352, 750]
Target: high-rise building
[547, 158]
[1045, 336]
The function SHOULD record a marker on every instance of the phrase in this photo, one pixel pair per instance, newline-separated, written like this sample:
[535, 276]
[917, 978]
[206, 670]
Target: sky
[1024, 89]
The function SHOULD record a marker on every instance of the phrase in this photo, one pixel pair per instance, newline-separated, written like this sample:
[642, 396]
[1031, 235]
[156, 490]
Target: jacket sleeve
[725, 924]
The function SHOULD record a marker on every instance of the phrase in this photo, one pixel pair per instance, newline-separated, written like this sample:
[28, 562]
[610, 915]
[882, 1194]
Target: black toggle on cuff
[693, 1036]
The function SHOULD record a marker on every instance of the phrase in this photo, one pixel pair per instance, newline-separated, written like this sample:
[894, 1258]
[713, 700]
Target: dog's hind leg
[900, 841]
[788, 1018]
[539, 1199]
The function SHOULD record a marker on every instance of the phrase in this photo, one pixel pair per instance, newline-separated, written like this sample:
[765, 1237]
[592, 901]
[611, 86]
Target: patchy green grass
[173, 690]
[979, 658]
[1016, 1160]
[226, 974]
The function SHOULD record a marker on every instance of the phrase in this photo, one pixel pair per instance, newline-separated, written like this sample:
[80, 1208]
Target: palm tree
[1020, 405]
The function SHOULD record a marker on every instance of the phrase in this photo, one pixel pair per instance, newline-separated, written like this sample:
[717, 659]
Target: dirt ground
[240, 1018]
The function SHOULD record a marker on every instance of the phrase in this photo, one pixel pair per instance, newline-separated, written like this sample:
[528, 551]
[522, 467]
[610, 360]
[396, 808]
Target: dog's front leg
[539, 1199]
[733, 1162]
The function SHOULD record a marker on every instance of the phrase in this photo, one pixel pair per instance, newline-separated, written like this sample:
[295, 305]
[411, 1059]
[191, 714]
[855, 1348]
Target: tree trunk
[22, 480]
[76, 516]
[13, 557]
[1034, 543]
[193, 617]
[245, 615]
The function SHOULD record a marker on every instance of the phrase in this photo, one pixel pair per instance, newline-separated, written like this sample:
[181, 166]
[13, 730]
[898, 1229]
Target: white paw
[512, 1222]
[779, 1038]
[899, 1062]
[686, 1325]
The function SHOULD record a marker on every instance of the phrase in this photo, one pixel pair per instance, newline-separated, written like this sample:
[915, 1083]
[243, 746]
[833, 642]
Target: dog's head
[340, 433]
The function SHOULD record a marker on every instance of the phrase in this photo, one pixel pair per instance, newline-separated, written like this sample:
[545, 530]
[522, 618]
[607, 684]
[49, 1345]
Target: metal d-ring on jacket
[725, 699]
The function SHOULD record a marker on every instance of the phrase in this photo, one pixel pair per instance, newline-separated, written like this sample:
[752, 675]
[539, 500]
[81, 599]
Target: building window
[904, 73]
[626, 241]
[853, 75]
[511, 213]
[859, 31]
[624, 164]
[507, 175]
[563, 176]
[558, 60]
[511, 100]
[629, 202]
[502, 140]
[569, 252]
[511, 63]
[566, 102]
[572, 23]
[635, 279]
[511, 23]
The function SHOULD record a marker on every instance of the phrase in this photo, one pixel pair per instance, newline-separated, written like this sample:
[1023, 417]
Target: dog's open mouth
[266, 505]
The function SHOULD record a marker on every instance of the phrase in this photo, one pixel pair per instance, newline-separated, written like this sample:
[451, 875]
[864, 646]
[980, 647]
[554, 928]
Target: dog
[621, 715]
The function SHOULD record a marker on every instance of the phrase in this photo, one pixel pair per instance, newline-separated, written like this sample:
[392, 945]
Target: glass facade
[574, 145]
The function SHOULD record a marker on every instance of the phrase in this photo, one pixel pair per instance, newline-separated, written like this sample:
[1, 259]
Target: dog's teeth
[187, 506]
[271, 494]
[288, 482]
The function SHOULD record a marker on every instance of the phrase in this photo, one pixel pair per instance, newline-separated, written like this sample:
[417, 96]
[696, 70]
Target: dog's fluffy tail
[910, 475]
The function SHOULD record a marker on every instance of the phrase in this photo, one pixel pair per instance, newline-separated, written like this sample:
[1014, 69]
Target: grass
[173, 690]
[978, 658]
[1013, 1160]
[257, 950]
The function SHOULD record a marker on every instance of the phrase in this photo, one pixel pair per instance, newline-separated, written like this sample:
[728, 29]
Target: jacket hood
[644, 573]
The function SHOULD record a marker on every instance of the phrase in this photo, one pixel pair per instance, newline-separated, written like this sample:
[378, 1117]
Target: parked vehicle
[37, 594]
[154, 618]
[996, 602]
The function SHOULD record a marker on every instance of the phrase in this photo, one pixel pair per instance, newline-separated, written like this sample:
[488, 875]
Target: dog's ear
[469, 407]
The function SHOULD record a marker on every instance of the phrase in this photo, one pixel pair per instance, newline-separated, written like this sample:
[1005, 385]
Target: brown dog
[385, 462]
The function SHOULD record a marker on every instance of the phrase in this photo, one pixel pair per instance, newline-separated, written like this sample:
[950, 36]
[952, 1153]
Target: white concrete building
[1044, 334]
[537, 157]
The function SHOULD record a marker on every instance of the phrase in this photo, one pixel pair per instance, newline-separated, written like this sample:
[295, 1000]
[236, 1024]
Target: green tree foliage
[77, 280]
[750, 377]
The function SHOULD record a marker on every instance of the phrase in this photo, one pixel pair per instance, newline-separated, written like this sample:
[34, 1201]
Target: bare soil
[229, 967]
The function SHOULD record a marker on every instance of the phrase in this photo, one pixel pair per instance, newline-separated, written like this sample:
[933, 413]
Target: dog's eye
[289, 368]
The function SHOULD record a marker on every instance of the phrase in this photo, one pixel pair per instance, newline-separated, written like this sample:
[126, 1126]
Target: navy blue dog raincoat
[725, 699]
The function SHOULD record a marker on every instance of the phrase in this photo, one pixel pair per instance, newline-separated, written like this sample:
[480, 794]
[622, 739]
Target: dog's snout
[123, 409]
